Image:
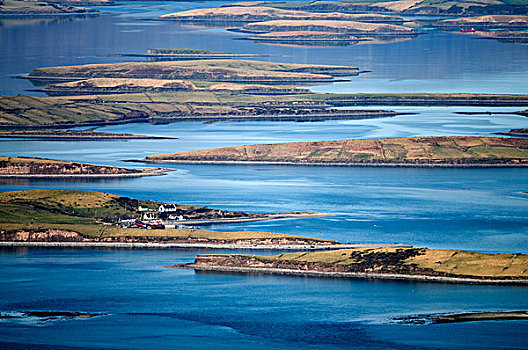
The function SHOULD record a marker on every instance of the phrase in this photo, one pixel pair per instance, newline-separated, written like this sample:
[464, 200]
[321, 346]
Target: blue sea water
[150, 306]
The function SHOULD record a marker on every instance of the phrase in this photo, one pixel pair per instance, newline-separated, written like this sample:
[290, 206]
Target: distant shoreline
[192, 246]
[392, 165]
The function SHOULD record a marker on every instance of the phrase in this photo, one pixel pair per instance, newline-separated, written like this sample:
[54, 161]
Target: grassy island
[259, 14]
[413, 151]
[440, 265]
[22, 167]
[328, 26]
[53, 216]
[209, 70]
[191, 54]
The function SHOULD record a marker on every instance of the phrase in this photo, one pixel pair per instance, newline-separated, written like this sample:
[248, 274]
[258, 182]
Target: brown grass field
[419, 150]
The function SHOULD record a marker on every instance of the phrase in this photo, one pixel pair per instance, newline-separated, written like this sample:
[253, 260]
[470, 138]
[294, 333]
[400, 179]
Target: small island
[25, 167]
[46, 316]
[435, 151]
[85, 218]
[464, 317]
[242, 71]
[412, 264]
[44, 8]
[328, 26]
[264, 13]
[488, 22]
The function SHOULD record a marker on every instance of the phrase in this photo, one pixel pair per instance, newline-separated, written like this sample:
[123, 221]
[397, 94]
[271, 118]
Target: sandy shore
[192, 246]
[354, 275]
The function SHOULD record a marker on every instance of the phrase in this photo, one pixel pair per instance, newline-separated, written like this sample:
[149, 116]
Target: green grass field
[85, 212]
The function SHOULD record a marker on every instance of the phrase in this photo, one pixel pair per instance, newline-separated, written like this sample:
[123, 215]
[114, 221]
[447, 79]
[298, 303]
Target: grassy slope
[56, 206]
[407, 260]
[82, 212]
[26, 111]
[34, 111]
[264, 13]
[397, 150]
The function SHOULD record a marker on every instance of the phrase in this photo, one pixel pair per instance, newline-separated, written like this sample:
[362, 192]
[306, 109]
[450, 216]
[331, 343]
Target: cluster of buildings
[170, 216]
[165, 212]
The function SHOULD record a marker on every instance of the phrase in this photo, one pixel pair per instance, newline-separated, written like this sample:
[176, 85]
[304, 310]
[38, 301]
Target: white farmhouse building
[167, 208]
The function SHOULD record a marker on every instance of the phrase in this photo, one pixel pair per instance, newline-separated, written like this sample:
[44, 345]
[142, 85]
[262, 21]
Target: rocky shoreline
[152, 172]
[386, 263]
[354, 164]
[352, 275]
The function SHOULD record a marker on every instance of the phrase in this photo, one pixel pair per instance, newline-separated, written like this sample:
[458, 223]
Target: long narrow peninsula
[413, 264]
[437, 151]
[73, 135]
[25, 167]
[96, 219]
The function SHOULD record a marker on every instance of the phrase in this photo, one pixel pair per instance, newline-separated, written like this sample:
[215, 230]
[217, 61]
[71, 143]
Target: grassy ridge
[417, 150]
[212, 70]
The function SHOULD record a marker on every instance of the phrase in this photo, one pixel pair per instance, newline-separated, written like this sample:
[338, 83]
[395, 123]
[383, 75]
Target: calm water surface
[150, 306]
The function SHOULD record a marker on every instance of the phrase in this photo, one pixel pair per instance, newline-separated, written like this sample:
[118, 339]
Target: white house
[149, 216]
[167, 208]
